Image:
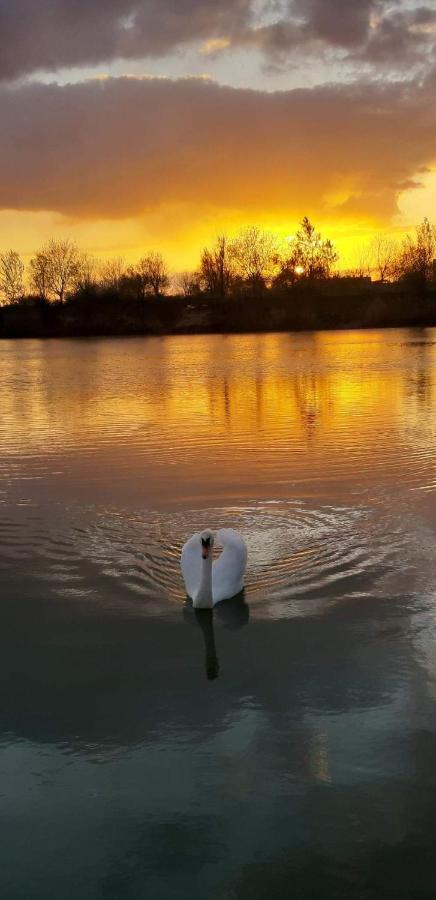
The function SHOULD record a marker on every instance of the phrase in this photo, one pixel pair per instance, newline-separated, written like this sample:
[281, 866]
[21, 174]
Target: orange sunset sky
[136, 125]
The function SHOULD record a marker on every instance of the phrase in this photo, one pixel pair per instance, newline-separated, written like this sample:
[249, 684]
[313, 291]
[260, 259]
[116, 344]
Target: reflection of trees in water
[68, 387]
[312, 400]
[419, 379]
[213, 385]
[263, 395]
[197, 384]
[268, 401]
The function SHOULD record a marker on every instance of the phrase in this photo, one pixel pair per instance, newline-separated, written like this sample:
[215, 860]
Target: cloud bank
[54, 34]
[120, 147]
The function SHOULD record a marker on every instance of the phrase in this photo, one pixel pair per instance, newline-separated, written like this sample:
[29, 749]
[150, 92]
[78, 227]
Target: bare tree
[40, 275]
[362, 267]
[87, 272]
[189, 283]
[384, 255]
[64, 266]
[255, 257]
[138, 277]
[158, 274]
[216, 270]
[150, 275]
[11, 276]
[418, 253]
[55, 269]
[112, 272]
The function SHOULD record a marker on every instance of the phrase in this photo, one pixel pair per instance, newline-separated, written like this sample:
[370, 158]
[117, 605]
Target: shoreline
[324, 308]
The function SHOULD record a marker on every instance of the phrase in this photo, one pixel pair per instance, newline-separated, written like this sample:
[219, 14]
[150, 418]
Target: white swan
[208, 583]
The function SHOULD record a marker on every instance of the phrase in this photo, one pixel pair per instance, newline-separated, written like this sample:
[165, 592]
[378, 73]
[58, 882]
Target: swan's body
[207, 582]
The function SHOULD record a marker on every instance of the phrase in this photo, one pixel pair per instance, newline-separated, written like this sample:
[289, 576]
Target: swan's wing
[190, 563]
[229, 569]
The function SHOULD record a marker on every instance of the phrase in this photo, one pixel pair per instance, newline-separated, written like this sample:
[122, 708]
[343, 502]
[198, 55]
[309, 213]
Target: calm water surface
[306, 769]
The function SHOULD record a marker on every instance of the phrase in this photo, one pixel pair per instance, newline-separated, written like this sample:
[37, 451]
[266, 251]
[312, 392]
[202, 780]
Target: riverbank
[332, 305]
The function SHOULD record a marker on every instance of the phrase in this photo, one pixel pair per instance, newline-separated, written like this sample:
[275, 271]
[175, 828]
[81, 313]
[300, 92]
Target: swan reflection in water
[233, 614]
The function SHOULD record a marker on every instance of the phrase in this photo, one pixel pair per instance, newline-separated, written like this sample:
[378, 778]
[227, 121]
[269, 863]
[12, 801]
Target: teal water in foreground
[305, 769]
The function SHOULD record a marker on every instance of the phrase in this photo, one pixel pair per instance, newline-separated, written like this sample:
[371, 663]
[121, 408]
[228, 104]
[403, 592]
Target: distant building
[349, 282]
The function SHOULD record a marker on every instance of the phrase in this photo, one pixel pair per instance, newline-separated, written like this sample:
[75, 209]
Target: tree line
[250, 263]
[61, 269]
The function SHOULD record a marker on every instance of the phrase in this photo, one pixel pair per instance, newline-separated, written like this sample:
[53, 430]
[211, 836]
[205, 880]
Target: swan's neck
[203, 599]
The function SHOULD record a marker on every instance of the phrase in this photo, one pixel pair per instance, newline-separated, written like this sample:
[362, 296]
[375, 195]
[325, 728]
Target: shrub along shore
[334, 304]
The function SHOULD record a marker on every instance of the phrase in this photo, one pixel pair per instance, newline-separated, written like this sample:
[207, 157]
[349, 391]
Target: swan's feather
[227, 571]
[191, 564]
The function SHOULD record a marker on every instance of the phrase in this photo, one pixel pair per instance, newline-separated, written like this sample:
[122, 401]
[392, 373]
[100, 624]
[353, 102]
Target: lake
[306, 767]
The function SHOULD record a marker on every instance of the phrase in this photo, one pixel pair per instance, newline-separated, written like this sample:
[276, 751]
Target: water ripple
[301, 559]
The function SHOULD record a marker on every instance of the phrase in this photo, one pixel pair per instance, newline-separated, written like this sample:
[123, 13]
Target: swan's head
[206, 539]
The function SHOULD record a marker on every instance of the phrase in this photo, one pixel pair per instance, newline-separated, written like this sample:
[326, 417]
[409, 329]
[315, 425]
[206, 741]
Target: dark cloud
[402, 38]
[49, 34]
[123, 146]
[338, 22]
[53, 34]
[378, 33]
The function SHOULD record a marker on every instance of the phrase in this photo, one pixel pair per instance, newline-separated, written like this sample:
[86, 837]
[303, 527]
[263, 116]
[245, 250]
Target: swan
[208, 583]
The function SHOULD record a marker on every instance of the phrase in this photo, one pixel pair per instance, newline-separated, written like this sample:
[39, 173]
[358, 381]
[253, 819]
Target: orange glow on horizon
[180, 232]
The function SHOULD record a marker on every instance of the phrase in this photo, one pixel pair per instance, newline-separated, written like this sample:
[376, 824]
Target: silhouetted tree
[255, 257]
[11, 276]
[136, 278]
[40, 275]
[55, 269]
[362, 267]
[87, 273]
[190, 283]
[384, 257]
[216, 272]
[112, 273]
[310, 256]
[158, 273]
[415, 261]
[150, 275]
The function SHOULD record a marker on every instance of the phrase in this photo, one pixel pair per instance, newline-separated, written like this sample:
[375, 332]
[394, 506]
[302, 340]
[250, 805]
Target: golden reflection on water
[277, 407]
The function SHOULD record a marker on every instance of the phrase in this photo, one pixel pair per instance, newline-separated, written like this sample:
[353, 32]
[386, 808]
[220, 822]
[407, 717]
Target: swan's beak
[205, 547]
